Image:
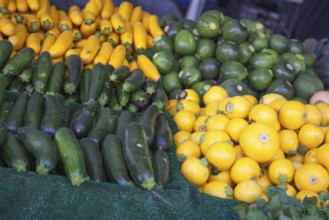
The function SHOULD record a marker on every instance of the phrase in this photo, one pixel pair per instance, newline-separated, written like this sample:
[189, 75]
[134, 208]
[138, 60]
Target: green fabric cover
[28, 195]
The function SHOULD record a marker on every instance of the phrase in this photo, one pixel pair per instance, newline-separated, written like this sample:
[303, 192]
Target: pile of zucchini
[43, 133]
[119, 89]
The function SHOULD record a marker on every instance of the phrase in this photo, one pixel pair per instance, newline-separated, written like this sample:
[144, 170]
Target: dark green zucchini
[149, 86]
[106, 92]
[112, 151]
[114, 102]
[55, 114]
[3, 85]
[34, 110]
[97, 82]
[57, 75]
[74, 67]
[26, 75]
[5, 51]
[15, 155]
[131, 107]
[74, 97]
[15, 117]
[40, 146]
[71, 155]
[5, 109]
[178, 94]
[148, 121]
[123, 96]
[124, 119]
[41, 72]
[20, 61]
[120, 73]
[105, 124]
[159, 98]
[161, 168]
[94, 161]
[140, 99]
[84, 85]
[83, 122]
[135, 81]
[163, 135]
[16, 86]
[137, 156]
[3, 133]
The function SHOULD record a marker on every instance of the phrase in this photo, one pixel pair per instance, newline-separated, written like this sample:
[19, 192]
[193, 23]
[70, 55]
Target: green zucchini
[226, 51]
[97, 82]
[184, 43]
[159, 98]
[209, 68]
[172, 28]
[106, 92]
[188, 24]
[84, 85]
[3, 85]
[15, 117]
[205, 49]
[166, 19]
[20, 61]
[108, 69]
[16, 86]
[235, 87]
[189, 75]
[26, 75]
[149, 86]
[170, 82]
[163, 135]
[208, 26]
[114, 102]
[123, 96]
[164, 61]
[120, 73]
[55, 114]
[41, 72]
[5, 109]
[34, 110]
[112, 151]
[135, 81]
[140, 99]
[137, 156]
[73, 98]
[161, 168]
[131, 107]
[40, 146]
[162, 43]
[148, 122]
[234, 31]
[83, 123]
[6, 49]
[74, 67]
[71, 154]
[124, 119]
[15, 155]
[188, 61]
[3, 133]
[105, 124]
[259, 41]
[93, 159]
[57, 75]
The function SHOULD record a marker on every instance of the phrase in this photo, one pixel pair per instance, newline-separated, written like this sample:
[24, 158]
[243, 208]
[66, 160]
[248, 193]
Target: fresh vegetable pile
[98, 32]
[43, 134]
[242, 56]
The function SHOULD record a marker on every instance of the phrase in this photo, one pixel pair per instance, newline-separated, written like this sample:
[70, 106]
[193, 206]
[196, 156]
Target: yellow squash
[54, 14]
[154, 26]
[11, 6]
[118, 55]
[140, 36]
[34, 5]
[33, 41]
[65, 22]
[118, 23]
[104, 53]
[62, 44]
[127, 37]
[19, 38]
[90, 50]
[105, 26]
[22, 6]
[90, 11]
[32, 22]
[46, 20]
[88, 29]
[75, 15]
[136, 14]
[76, 34]
[113, 38]
[54, 31]
[48, 42]
[145, 20]
[7, 27]
[71, 51]
[107, 10]
[149, 69]
[125, 9]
